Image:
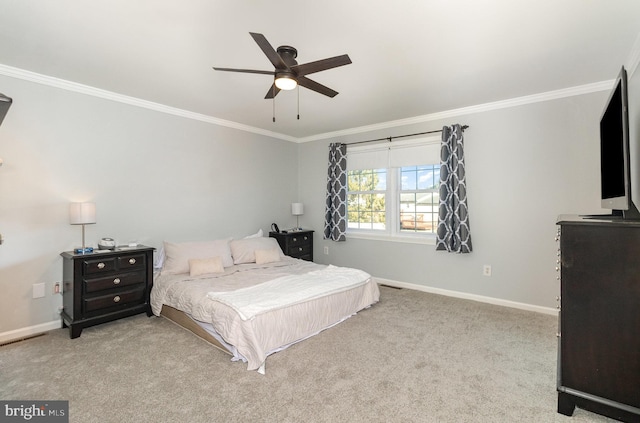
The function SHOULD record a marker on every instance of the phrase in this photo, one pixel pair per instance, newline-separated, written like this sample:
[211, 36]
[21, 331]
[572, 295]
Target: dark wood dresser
[599, 333]
[105, 286]
[298, 244]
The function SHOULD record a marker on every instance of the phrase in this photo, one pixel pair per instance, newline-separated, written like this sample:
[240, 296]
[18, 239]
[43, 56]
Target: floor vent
[22, 339]
[389, 286]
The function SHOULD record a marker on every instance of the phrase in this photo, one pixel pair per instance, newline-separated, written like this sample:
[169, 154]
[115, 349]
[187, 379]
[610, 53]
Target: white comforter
[289, 290]
[273, 325]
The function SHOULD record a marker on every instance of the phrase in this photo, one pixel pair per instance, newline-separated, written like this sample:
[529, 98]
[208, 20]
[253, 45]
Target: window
[412, 199]
[419, 198]
[393, 192]
[366, 201]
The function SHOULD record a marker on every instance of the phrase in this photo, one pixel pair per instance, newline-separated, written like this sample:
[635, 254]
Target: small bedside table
[298, 244]
[105, 286]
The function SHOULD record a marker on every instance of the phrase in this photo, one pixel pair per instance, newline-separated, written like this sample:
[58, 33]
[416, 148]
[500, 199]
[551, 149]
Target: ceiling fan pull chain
[274, 104]
[298, 89]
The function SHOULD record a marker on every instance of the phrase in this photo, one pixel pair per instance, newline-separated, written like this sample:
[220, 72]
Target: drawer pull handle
[295, 239]
[116, 281]
[116, 299]
[101, 265]
[305, 238]
[299, 248]
[132, 261]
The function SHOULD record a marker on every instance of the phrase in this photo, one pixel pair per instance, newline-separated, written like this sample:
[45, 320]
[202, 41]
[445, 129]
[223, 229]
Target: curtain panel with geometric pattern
[453, 234]
[335, 218]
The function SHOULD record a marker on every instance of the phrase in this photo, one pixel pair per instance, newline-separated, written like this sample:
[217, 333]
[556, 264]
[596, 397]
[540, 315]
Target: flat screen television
[5, 103]
[615, 168]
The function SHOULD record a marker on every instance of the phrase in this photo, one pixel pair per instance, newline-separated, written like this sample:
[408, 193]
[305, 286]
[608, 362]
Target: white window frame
[392, 231]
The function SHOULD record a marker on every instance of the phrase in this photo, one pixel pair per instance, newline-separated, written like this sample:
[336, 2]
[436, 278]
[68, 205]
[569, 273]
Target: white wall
[156, 176]
[153, 176]
[525, 166]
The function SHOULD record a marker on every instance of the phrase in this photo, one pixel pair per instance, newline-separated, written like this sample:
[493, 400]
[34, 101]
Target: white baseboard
[56, 324]
[14, 335]
[467, 296]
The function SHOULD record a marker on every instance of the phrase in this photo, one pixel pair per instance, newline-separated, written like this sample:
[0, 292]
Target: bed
[250, 300]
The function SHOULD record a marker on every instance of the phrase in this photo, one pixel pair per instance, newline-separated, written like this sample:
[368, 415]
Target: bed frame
[181, 319]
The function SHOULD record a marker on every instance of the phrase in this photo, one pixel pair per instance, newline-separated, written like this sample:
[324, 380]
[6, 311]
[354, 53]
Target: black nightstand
[105, 286]
[298, 244]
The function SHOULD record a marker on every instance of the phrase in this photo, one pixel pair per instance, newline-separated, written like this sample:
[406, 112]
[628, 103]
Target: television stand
[599, 317]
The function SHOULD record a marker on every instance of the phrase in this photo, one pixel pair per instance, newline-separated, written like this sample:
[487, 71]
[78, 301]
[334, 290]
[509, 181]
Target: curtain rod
[401, 136]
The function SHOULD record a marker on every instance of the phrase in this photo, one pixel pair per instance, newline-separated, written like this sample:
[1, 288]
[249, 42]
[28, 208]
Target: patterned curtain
[453, 221]
[335, 217]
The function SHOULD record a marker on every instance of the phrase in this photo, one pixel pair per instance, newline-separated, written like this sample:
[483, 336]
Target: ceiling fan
[288, 73]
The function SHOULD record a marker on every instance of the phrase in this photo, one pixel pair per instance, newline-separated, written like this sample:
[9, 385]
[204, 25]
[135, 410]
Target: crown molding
[633, 61]
[502, 104]
[133, 101]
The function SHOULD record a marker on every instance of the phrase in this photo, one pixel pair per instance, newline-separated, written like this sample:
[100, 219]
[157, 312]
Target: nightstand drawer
[132, 261]
[299, 250]
[99, 265]
[115, 281]
[116, 299]
[299, 240]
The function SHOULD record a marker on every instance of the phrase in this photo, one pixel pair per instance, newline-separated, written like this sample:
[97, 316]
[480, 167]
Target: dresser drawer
[114, 281]
[116, 299]
[104, 265]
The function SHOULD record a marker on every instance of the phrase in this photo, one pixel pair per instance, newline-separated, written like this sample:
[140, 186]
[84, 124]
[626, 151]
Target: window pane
[354, 181]
[425, 179]
[378, 202]
[381, 181]
[407, 202]
[366, 199]
[408, 178]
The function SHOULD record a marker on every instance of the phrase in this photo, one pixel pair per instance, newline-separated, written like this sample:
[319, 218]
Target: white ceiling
[410, 58]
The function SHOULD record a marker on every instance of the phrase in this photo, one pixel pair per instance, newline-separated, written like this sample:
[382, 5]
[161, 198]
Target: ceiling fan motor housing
[288, 55]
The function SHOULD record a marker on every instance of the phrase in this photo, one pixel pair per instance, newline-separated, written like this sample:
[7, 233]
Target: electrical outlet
[326, 250]
[486, 270]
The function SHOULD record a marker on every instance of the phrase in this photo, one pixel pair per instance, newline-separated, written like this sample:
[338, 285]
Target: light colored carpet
[413, 357]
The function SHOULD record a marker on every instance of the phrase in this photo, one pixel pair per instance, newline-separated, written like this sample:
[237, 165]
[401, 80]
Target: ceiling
[410, 58]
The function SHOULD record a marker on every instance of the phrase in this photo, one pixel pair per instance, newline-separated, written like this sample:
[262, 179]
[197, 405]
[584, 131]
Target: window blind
[394, 154]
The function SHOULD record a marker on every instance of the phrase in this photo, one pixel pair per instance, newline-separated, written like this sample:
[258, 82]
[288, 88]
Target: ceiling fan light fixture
[285, 81]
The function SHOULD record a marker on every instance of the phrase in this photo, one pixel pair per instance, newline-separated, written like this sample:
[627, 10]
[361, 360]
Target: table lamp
[82, 214]
[297, 209]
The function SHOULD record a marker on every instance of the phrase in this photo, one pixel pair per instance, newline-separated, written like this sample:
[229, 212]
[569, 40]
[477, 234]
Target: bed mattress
[270, 330]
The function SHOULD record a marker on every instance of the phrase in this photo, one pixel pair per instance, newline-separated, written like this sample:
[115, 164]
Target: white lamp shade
[82, 213]
[297, 209]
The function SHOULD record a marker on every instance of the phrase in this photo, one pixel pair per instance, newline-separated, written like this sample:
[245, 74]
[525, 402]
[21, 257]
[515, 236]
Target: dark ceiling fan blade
[273, 91]
[269, 51]
[244, 71]
[320, 65]
[314, 86]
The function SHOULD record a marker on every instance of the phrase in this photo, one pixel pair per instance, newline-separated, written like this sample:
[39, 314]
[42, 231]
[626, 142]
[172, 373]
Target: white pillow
[243, 250]
[267, 256]
[177, 255]
[256, 235]
[205, 266]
